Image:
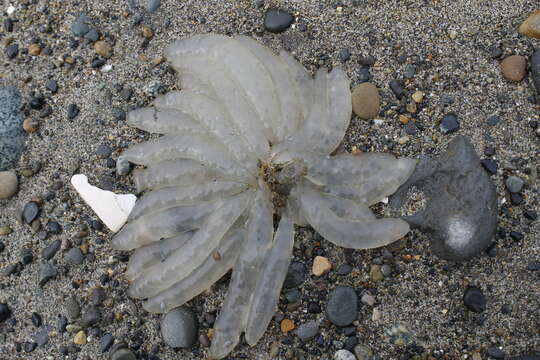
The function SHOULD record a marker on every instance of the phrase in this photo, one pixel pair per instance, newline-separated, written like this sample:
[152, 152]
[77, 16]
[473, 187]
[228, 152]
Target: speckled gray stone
[46, 272]
[11, 131]
[307, 330]
[514, 184]
[179, 328]
[461, 212]
[80, 25]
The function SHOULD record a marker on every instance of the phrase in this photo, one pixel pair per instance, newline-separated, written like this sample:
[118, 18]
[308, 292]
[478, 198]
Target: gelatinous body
[248, 137]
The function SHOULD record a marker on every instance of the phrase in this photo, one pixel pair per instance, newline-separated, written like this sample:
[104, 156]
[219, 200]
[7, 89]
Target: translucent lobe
[201, 148]
[210, 271]
[265, 298]
[233, 317]
[349, 233]
[184, 195]
[184, 260]
[147, 256]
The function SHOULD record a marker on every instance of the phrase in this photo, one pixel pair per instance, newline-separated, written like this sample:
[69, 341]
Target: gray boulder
[461, 212]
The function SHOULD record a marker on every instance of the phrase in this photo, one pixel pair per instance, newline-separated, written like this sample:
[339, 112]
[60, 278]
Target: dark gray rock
[72, 309]
[296, 275]
[106, 342]
[80, 25]
[92, 35]
[449, 123]
[277, 21]
[41, 337]
[342, 307]
[461, 212]
[49, 252]
[61, 324]
[91, 316]
[495, 352]
[179, 328]
[46, 272]
[123, 354]
[30, 212]
[535, 70]
[11, 131]
[474, 299]
[74, 256]
[397, 88]
[4, 312]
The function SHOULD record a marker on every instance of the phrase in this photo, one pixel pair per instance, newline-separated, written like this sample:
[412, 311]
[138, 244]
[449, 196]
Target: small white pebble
[10, 9]
[378, 122]
[344, 355]
[106, 68]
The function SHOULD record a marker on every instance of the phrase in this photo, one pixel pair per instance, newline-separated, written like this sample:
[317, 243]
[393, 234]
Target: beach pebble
[531, 26]
[490, 166]
[30, 212]
[344, 355]
[342, 306]
[122, 166]
[474, 299]
[296, 275]
[179, 328]
[49, 252]
[4, 312]
[307, 330]
[277, 21]
[80, 25]
[8, 184]
[286, 325]
[103, 48]
[106, 342]
[12, 51]
[123, 354]
[46, 272]
[514, 184]
[449, 123]
[52, 85]
[321, 265]
[397, 88]
[80, 338]
[72, 111]
[72, 309]
[365, 101]
[74, 256]
[363, 352]
[418, 97]
[514, 67]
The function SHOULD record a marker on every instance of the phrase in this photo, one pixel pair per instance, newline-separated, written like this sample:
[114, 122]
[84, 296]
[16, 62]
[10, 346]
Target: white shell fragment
[113, 209]
[243, 156]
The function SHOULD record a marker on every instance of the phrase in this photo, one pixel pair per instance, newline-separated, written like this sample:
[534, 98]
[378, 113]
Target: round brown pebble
[418, 97]
[513, 68]
[147, 32]
[34, 49]
[531, 26]
[80, 338]
[30, 125]
[287, 325]
[8, 184]
[366, 101]
[103, 48]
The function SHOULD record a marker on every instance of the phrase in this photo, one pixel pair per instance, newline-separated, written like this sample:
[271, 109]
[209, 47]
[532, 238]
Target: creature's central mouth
[281, 178]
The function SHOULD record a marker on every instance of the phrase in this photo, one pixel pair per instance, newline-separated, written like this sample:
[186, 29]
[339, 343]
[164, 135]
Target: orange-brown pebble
[34, 49]
[287, 325]
[531, 26]
[30, 125]
[321, 265]
[147, 32]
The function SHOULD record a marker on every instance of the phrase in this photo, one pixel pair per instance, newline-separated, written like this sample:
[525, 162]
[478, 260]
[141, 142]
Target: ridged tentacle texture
[249, 136]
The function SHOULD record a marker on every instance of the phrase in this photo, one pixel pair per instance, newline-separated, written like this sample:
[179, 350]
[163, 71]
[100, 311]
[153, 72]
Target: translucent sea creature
[247, 140]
